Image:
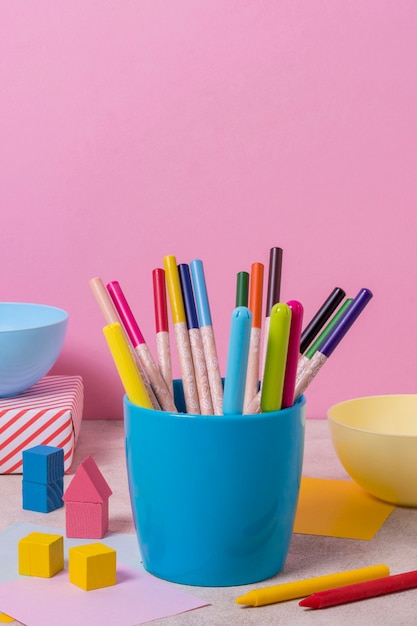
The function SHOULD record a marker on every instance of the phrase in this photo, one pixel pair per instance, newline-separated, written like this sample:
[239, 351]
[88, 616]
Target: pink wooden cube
[87, 502]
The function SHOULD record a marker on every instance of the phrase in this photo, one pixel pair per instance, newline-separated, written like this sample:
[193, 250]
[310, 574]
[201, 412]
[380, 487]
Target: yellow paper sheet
[5, 619]
[338, 508]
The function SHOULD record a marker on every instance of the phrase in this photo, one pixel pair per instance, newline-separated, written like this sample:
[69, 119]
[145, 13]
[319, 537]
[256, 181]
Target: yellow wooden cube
[41, 554]
[92, 566]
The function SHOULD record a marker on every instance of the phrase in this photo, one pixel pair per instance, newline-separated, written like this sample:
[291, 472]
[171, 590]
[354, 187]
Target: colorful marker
[255, 307]
[242, 289]
[104, 301]
[126, 366]
[293, 353]
[163, 346]
[181, 335]
[276, 357]
[273, 294]
[305, 359]
[237, 361]
[196, 343]
[320, 318]
[207, 334]
[361, 591]
[335, 337]
[111, 316]
[274, 278]
[139, 344]
[302, 588]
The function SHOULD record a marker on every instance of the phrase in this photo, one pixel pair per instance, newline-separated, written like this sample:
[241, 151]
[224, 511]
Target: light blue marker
[237, 361]
[207, 335]
[200, 293]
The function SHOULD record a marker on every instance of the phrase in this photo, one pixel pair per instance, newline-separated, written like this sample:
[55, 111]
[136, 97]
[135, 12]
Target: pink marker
[292, 354]
[156, 379]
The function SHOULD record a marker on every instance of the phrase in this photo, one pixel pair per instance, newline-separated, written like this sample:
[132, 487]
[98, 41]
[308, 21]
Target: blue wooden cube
[43, 464]
[42, 497]
[43, 478]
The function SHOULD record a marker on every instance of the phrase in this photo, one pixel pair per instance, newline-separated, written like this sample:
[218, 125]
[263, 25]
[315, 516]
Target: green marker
[242, 289]
[305, 359]
[276, 357]
[315, 346]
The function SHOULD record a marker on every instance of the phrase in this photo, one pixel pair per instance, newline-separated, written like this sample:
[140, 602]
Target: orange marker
[255, 307]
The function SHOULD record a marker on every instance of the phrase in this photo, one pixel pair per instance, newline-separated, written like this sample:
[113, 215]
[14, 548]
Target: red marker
[161, 325]
[361, 591]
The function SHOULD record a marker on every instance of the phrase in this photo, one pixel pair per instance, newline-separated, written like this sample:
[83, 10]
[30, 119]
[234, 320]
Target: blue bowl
[31, 339]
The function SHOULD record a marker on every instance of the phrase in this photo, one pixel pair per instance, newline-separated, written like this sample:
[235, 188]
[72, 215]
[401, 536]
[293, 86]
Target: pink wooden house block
[87, 502]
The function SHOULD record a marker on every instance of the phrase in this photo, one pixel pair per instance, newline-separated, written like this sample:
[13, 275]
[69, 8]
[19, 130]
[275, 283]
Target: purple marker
[332, 341]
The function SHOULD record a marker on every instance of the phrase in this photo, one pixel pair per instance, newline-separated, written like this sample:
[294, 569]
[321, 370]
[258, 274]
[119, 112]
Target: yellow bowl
[375, 439]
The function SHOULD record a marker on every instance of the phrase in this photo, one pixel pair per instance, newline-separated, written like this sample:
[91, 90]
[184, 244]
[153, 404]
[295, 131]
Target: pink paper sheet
[136, 598]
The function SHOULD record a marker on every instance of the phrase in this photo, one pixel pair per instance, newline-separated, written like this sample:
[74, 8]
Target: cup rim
[297, 406]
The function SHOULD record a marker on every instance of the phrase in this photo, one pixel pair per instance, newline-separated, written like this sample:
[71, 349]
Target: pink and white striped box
[49, 413]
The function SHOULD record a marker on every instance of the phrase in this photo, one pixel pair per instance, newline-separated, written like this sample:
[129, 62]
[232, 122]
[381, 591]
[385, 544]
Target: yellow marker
[303, 588]
[126, 366]
[182, 338]
[174, 290]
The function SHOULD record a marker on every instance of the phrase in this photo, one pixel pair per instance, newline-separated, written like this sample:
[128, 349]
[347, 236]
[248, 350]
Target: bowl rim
[64, 316]
[365, 430]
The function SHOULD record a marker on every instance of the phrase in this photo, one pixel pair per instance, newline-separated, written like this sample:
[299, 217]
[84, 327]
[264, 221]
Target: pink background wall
[213, 130]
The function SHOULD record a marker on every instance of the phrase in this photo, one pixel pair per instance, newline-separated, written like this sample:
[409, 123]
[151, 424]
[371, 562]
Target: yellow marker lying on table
[126, 366]
[303, 588]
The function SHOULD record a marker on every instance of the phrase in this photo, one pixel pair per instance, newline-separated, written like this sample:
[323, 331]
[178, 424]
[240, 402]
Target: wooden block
[92, 566]
[43, 464]
[41, 554]
[43, 498]
[86, 520]
[86, 502]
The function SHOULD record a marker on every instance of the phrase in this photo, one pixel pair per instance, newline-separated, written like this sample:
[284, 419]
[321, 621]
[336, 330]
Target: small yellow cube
[92, 566]
[41, 554]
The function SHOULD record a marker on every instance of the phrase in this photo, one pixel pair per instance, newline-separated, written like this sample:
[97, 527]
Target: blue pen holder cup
[214, 497]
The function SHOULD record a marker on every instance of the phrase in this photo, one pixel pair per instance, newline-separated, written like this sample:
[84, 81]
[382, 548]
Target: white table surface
[395, 544]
